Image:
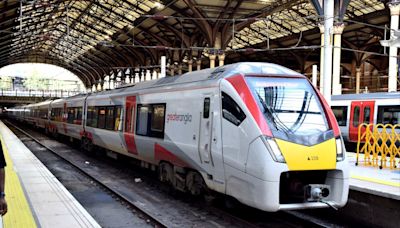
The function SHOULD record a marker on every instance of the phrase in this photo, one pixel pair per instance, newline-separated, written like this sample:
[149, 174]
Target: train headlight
[340, 149]
[274, 150]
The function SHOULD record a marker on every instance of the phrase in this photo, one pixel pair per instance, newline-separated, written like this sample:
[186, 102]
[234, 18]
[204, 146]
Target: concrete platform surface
[382, 182]
[49, 202]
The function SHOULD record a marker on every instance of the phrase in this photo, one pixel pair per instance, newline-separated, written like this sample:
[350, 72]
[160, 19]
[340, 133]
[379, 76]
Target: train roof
[214, 74]
[367, 96]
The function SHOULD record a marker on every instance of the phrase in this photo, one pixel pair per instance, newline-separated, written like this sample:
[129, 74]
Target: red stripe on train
[241, 87]
[329, 114]
[129, 135]
[162, 154]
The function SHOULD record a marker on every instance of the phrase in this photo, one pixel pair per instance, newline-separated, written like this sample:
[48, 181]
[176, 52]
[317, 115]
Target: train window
[142, 119]
[110, 118]
[340, 113]
[102, 117]
[389, 114]
[367, 114]
[150, 120]
[157, 118]
[206, 108]
[70, 116]
[231, 111]
[92, 116]
[78, 119]
[118, 117]
[356, 116]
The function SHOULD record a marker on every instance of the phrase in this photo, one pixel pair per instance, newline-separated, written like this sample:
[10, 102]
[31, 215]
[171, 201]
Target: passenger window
[206, 108]
[71, 113]
[356, 116]
[110, 118]
[118, 116]
[340, 113]
[389, 114]
[157, 119]
[367, 114]
[142, 119]
[231, 111]
[102, 118]
[150, 120]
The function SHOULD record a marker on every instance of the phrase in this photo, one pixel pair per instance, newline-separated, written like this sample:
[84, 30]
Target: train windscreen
[292, 109]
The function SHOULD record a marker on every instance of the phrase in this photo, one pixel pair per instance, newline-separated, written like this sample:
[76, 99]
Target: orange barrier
[379, 145]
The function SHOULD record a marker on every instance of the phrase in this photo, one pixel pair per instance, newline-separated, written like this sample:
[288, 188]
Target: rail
[380, 144]
[37, 93]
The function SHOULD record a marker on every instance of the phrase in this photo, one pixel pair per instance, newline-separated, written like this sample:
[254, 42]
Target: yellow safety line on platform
[19, 213]
[385, 182]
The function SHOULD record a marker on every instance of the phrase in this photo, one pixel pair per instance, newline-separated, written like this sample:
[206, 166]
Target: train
[257, 132]
[351, 110]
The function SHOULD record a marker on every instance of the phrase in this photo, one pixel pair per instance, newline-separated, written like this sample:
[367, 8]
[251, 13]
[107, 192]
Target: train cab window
[340, 113]
[102, 117]
[356, 116]
[367, 114]
[389, 114]
[150, 120]
[206, 108]
[231, 111]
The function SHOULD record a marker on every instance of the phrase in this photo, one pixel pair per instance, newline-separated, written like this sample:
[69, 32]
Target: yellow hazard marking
[316, 157]
[19, 213]
[384, 182]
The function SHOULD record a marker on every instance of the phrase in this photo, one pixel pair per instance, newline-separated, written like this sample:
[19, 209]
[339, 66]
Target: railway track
[281, 219]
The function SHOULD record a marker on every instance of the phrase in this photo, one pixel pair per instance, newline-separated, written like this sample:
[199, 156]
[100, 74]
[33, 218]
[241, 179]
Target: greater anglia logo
[179, 118]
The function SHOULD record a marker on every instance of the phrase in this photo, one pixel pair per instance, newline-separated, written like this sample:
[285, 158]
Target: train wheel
[165, 172]
[195, 183]
[86, 144]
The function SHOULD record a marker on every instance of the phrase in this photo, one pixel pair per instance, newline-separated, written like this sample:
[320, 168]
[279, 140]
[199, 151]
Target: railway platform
[34, 195]
[372, 180]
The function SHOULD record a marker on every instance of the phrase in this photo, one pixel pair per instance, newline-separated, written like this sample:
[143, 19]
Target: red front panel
[129, 129]
[360, 112]
[239, 83]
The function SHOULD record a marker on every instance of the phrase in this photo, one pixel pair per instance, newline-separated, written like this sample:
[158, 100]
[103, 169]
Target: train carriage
[351, 110]
[255, 131]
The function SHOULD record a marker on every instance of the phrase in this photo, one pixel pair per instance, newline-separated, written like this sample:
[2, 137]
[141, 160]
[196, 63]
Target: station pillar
[172, 69]
[358, 79]
[190, 65]
[198, 64]
[337, 43]
[221, 58]
[321, 63]
[394, 25]
[180, 69]
[212, 58]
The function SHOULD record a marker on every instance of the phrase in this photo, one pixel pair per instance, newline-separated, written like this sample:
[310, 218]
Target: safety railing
[380, 144]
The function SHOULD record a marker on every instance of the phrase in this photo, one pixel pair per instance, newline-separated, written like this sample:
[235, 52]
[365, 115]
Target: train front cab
[295, 155]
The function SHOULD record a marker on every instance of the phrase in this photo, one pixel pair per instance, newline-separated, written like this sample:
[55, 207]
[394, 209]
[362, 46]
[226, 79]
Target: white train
[351, 110]
[258, 132]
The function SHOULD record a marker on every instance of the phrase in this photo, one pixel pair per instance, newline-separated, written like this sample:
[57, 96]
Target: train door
[210, 143]
[206, 120]
[361, 112]
[130, 118]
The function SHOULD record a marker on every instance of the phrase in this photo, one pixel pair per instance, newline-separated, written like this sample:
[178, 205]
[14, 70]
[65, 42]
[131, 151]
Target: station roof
[96, 37]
